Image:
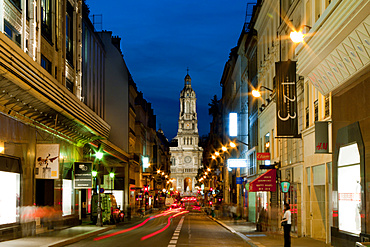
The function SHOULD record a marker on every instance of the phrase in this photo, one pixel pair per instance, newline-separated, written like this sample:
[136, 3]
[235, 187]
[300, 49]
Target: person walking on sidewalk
[287, 224]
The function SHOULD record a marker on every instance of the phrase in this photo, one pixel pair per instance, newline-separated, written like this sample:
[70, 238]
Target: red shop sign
[265, 182]
[263, 156]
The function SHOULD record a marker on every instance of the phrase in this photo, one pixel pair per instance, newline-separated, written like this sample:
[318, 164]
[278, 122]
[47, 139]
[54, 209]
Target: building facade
[186, 157]
[336, 70]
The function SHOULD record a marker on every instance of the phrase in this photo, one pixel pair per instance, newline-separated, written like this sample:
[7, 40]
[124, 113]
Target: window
[46, 18]
[69, 85]
[327, 106]
[12, 33]
[267, 143]
[307, 117]
[316, 107]
[69, 33]
[252, 166]
[46, 64]
[349, 189]
[17, 3]
[67, 195]
[10, 181]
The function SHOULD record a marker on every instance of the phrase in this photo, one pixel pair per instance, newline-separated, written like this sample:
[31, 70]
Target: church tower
[186, 158]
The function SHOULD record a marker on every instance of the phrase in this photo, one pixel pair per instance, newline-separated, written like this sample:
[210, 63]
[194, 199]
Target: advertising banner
[286, 99]
[83, 175]
[321, 137]
[265, 182]
[47, 161]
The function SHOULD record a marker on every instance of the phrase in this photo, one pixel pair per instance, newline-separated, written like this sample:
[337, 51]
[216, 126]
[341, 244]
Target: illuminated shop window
[10, 197]
[67, 197]
[349, 189]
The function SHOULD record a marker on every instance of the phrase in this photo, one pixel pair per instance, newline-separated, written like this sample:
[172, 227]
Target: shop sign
[47, 161]
[236, 163]
[83, 175]
[284, 185]
[286, 99]
[265, 182]
[321, 137]
[263, 156]
[239, 180]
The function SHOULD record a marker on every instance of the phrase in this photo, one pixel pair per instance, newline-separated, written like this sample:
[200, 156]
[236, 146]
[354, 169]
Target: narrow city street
[185, 229]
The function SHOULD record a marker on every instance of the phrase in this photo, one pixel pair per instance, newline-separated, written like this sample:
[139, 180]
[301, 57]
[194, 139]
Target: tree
[214, 106]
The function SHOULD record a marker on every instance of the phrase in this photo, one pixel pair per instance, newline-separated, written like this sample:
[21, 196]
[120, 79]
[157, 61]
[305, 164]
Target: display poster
[47, 161]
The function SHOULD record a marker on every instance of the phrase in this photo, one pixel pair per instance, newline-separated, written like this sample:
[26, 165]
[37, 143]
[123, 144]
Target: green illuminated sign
[284, 185]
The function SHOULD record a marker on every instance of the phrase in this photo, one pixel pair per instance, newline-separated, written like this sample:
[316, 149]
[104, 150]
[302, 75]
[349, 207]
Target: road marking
[176, 234]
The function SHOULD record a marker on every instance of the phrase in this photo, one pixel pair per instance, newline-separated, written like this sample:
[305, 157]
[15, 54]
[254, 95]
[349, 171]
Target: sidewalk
[247, 231]
[66, 236]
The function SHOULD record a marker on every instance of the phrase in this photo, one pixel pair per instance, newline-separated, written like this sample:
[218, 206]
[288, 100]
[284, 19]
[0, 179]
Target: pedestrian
[287, 224]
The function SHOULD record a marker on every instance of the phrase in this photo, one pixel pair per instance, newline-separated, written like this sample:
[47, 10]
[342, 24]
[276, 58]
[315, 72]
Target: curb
[82, 236]
[245, 238]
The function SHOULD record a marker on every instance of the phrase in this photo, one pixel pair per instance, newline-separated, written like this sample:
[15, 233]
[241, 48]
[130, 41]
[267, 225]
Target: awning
[265, 182]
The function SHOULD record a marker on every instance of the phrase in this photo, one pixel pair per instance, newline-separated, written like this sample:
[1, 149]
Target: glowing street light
[213, 157]
[232, 144]
[158, 171]
[208, 169]
[256, 93]
[224, 148]
[217, 153]
[296, 37]
[99, 155]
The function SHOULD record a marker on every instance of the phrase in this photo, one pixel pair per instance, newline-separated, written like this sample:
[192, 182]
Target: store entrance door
[44, 192]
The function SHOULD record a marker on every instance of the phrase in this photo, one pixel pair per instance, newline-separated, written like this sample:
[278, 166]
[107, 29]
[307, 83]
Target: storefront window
[10, 197]
[349, 189]
[67, 197]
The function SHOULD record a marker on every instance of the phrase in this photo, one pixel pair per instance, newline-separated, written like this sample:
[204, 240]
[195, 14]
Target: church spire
[187, 79]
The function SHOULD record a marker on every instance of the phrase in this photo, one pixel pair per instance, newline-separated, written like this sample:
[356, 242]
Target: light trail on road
[138, 225]
[165, 227]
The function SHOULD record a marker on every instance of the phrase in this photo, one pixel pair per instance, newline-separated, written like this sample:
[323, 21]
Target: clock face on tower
[187, 159]
[187, 125]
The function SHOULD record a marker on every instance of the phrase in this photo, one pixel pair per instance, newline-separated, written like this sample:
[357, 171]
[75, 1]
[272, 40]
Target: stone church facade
[186, 158]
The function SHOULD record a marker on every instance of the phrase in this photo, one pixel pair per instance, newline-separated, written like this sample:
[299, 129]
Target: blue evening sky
[160, 39]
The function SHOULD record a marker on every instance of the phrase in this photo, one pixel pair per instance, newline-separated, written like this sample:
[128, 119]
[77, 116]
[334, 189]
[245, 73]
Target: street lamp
[257, 93]
[111, 175]
[297, 37]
